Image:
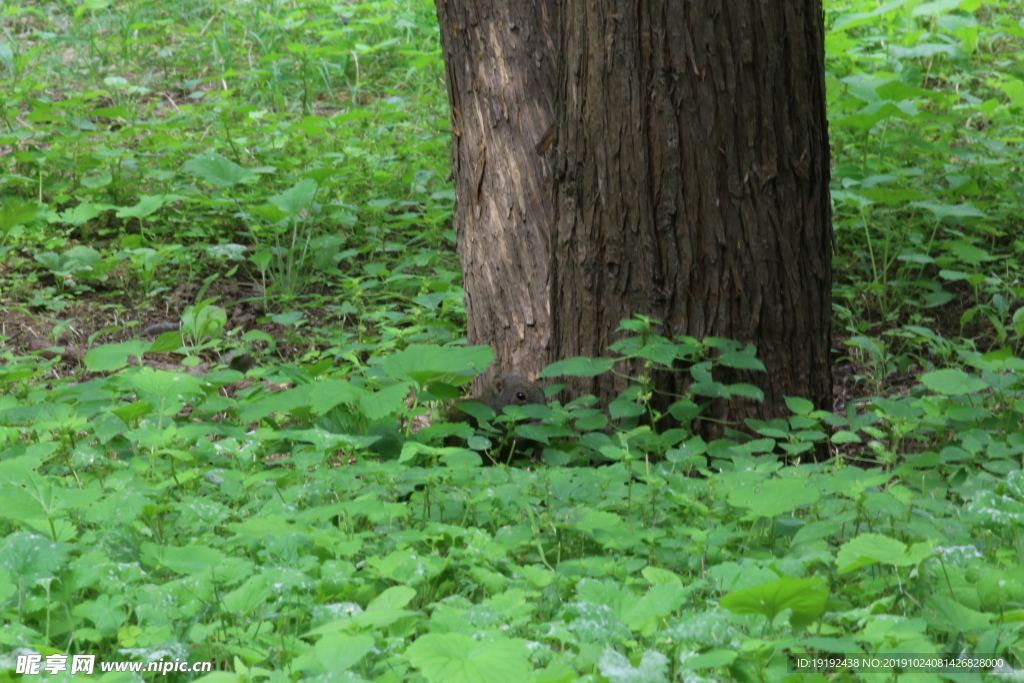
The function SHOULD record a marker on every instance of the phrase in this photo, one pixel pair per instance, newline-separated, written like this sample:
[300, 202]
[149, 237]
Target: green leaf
[296, 198]
[968, 253]
[204, 320]
[217, 170]
[424, 363]
[746, 391]
[952, 382]
[456, 658]
[339, 653]
[81, 214]
[280, 402]
[709, 660]
[805, 597]
[147, 205]
[935, 8]
[110, 357]
[250, 596]
[128, 412]
[936, 299]
[580, 366]
[663, 354]
[29, 557]
[950, 616]
[800, 406]
[168, 342]
[395, 597]
[773, 497]
[657, 576]
[384, 402]
[854, 19]
[844, 436]
[326, 394]
[16, 212]
[868, 549]
[964, 210]
[617, 668]
[604, 527]
[742, 360]
[191, 559]
[620, 408]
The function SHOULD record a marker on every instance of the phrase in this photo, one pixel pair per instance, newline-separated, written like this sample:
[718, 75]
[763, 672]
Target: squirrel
[240, 360]
[504, 390]
[160, 328]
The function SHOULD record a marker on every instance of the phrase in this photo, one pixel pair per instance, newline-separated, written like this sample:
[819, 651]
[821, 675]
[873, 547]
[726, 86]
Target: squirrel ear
[499, 385]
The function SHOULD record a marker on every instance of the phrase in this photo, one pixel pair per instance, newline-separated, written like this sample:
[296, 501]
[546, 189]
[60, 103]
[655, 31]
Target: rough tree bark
[690, 181]
[693, 185]
[500, 71]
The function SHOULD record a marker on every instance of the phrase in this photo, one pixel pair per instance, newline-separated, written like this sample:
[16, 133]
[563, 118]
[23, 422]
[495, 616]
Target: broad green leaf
[891, 195]
[868, 549]
[427, 362]
[130, 411]
[455, 658]
[84, 212]
[395, 597]
[968, 253]
[805, 597]
[379, 618]
[580, 366]
[387, 401]
[110, 357]
[800, 406]
[745, 390]
[936, 8]
[742, 360]
[280, 402]
[146, 206]
[854, 19]
[296, 198]
[168, 342]
[663, 354]
[204, 320]
[216, 170]
[29, 557]
[183, 559]
[8, 587]
[250, 596]
[646, 614]
[773, 497]
[951, 616]
[845, 436]
[964, 210]
[617, 668]
[326, 394]
[709, 660]
[16, 211]
[661, 577]
[604, 527]
[952, 382]
[338, 652]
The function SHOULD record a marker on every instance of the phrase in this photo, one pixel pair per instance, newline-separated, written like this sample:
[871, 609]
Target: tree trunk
[499, 64]
[692, 186]
[688, 181]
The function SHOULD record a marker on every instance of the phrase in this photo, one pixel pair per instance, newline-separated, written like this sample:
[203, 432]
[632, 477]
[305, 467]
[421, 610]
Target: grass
[274, 177]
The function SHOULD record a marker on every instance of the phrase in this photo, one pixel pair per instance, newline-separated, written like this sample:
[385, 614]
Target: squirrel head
[513, 390]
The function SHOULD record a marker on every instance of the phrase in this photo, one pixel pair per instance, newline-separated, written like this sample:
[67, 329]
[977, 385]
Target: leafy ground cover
[273, 176]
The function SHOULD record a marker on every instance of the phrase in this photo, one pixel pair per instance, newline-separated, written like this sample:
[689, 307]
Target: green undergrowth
[295, 533]
[316, 517]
